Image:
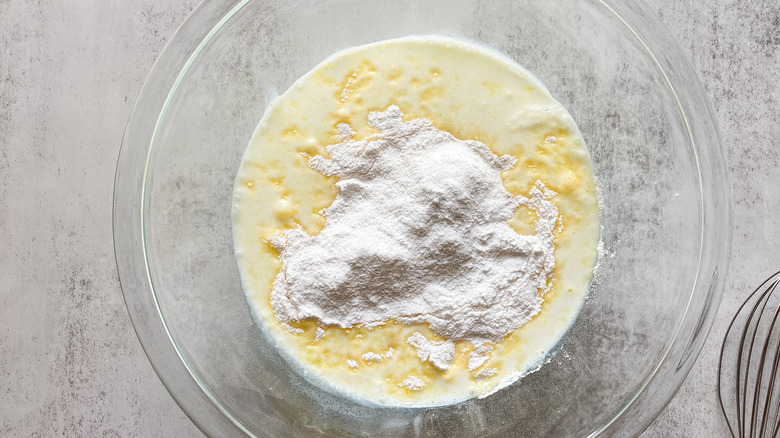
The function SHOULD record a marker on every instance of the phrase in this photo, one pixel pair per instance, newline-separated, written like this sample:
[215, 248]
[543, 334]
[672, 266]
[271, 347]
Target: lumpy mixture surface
[470, 92]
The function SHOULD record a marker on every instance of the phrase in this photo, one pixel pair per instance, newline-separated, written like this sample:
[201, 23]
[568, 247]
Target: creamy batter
[470, 92]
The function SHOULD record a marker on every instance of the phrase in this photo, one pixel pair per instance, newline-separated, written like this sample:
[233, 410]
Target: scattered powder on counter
[412, 383]
[389, 353]
[418, 233]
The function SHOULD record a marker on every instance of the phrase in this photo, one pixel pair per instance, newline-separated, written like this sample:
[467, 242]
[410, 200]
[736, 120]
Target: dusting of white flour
[439, 354]
[418, 233]
[412, 383]
[376, 357]
[372, 357]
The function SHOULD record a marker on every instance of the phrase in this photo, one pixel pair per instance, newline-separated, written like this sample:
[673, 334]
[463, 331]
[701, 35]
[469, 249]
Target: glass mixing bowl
[657, 155]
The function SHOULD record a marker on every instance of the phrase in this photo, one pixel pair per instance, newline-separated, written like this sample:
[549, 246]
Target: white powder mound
[439, 354]
[344, 131]
[372, 357]
[376, 357]
[352, 364]
[480, 354]
[291, 329]
[412, 383]
[486, 373]
[418, 233]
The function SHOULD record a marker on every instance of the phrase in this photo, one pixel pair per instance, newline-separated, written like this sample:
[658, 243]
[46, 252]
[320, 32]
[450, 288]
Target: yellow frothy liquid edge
[473, 94]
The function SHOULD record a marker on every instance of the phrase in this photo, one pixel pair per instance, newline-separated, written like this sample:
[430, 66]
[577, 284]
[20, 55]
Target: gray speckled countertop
[70, 363]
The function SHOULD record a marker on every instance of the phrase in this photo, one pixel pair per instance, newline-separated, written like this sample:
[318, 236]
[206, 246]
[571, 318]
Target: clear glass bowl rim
[196, 400]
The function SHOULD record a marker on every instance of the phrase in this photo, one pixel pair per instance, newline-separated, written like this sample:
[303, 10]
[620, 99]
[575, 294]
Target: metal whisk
[751, 400]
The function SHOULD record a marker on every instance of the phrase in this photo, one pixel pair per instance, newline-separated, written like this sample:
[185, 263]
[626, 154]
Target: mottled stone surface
[735, 47]
[70, 363]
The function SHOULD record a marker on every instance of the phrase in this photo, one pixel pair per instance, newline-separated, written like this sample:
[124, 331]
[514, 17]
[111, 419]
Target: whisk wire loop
[750, 401]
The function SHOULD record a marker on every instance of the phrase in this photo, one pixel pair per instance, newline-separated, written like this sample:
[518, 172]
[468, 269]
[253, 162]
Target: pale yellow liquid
[471, 93]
